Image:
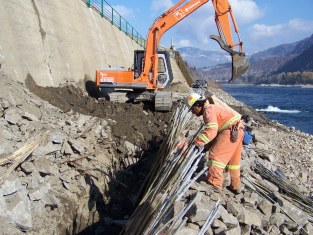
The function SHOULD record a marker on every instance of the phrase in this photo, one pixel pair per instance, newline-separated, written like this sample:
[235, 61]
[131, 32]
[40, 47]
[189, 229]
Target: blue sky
[262, 23]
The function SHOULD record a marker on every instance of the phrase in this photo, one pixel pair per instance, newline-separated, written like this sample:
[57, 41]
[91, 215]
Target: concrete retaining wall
[58, 40]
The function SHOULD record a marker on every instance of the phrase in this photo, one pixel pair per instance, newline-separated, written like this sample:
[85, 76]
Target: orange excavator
[152, 69]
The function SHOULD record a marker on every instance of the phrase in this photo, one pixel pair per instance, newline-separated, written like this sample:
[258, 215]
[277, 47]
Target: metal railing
[109, 13]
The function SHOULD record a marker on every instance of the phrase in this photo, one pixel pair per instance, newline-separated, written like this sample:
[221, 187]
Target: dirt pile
[131, 118]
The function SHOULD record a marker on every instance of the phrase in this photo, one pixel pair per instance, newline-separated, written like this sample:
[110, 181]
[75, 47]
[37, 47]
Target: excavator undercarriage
[163, 100]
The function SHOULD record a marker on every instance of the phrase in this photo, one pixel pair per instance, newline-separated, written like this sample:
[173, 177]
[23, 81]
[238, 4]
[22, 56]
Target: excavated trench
[136, 123]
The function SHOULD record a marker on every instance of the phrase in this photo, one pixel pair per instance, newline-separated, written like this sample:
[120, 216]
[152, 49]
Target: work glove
[181, 145]
[198, 145]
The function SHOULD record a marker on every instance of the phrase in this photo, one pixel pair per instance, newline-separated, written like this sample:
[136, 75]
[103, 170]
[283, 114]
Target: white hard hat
[193, 98]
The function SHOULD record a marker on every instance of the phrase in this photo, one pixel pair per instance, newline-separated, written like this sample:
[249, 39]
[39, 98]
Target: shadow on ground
[123, 192]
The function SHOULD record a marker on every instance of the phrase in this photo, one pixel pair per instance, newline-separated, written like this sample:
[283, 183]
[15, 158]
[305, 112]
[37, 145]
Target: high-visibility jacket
[216, 118]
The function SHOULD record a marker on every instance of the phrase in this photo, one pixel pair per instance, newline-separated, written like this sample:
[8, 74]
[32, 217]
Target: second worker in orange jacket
[223, 130]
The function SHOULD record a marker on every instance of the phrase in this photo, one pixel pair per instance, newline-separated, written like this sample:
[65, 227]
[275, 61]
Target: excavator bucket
[240, 63]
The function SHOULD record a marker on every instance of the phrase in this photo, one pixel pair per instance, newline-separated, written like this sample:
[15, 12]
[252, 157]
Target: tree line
[284, 78]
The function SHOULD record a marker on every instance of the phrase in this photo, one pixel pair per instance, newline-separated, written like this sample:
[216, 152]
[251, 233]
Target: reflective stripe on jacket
[216, 118]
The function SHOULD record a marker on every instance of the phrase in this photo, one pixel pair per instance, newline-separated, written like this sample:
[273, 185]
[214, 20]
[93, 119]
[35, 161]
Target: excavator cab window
[138, 62]
[161, 67]
[165, 75]
[162, 72]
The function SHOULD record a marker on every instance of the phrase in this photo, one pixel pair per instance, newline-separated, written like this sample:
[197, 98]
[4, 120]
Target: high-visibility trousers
[225, 155]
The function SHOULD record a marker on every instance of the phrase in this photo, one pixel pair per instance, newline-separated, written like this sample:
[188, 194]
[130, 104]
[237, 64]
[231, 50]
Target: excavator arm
[223, 11]
[223, 17]
[163, 23]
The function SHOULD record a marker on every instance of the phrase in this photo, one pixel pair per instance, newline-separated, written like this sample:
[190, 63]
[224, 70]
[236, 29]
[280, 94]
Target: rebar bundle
[265, 192]
[172, 174]
[293, 192]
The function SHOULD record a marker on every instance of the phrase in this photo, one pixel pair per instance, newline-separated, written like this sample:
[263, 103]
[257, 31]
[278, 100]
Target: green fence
[109, 13]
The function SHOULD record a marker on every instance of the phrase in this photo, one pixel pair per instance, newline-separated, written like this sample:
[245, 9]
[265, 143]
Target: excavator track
[120, 97]
[163, 100]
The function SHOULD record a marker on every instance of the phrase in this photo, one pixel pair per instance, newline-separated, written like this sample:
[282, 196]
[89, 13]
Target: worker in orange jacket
[223, 132]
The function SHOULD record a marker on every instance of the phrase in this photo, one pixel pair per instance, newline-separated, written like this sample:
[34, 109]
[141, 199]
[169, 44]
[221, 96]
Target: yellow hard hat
[193, 98]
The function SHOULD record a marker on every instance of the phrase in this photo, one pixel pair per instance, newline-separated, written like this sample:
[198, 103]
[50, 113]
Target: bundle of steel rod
[265, 192]
[293, 192]
[180, 121]
[173, 172]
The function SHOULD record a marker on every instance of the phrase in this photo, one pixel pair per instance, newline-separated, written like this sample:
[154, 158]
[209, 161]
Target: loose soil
[131, 118]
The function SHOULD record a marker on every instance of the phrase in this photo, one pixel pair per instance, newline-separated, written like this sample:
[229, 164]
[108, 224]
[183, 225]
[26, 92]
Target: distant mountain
[301, 63]
[200, 58]
[285, 63]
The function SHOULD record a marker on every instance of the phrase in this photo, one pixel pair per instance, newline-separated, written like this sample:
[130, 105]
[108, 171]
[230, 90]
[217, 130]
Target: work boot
[214, 188]
[234, 191]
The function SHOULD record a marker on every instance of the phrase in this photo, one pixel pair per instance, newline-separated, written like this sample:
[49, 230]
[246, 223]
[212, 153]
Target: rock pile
[269, 203]
[81, 162]
[74, 169]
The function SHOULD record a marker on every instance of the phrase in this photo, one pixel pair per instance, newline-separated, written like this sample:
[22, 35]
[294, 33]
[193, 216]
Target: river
[289, 105]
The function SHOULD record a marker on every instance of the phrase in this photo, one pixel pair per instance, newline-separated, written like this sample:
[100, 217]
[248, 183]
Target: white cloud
[246, 11]
[301, 25]
[124, 11]
[195, 30]
[267, 36]
[182, 43]
[161, 5]
[292, 27]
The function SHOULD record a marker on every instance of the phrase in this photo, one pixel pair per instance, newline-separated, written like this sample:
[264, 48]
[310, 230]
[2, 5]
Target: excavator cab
[120, 78]
[165, 74]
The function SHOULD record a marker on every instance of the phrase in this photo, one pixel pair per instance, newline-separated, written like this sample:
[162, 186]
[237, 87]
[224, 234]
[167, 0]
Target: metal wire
[210, 219]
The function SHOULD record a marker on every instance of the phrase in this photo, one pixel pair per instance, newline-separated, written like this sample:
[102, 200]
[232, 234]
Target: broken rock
[250, 217]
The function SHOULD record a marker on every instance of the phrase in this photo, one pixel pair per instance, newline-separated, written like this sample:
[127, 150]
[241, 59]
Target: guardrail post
[102, 14]
[120, 26]
[112, 22]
